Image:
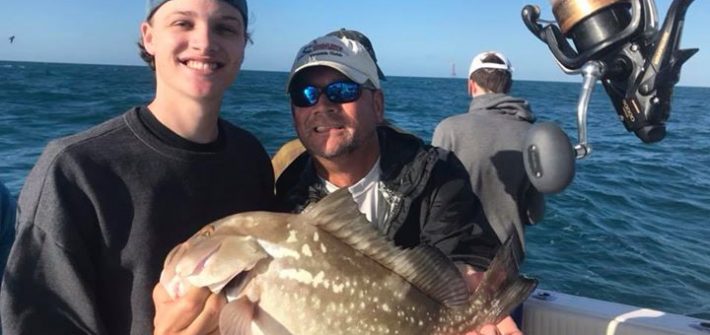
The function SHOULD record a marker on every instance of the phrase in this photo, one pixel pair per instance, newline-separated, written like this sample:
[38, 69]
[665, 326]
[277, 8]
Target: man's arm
[453, 218]
[47, 289]
[441, 137]
[50, 278]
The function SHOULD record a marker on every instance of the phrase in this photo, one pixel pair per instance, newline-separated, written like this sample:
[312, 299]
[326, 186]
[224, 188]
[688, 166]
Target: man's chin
[328, 154]
[333, 153]
[329, 148]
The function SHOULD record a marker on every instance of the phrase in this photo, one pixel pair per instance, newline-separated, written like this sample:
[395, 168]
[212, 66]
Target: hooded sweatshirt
[488, 140]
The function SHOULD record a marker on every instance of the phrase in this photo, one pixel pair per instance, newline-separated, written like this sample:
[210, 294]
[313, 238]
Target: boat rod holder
[619, 43]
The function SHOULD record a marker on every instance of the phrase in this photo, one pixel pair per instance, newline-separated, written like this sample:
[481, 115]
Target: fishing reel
[619, 43]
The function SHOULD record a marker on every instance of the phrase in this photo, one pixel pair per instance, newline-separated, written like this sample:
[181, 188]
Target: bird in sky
[12, 39]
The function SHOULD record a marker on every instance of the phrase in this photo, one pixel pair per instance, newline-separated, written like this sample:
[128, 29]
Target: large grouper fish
[329, 271]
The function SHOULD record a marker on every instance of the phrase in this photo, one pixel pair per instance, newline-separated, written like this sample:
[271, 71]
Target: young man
[412, 192]
[101, 209]
[488, 140]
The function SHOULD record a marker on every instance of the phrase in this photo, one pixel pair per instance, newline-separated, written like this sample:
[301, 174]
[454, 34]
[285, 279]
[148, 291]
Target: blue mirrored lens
[342, 92]
[310, 95]
[337, 92]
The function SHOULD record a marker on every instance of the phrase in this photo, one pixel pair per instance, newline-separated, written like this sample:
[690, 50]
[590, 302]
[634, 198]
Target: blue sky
[411, 38]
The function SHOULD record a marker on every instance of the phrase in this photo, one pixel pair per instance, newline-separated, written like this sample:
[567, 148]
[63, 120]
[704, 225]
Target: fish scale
[323, 299]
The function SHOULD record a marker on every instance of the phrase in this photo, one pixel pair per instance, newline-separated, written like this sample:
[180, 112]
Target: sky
[420, 38]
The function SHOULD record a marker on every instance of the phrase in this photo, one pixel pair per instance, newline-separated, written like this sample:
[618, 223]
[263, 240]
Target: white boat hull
[553, 313]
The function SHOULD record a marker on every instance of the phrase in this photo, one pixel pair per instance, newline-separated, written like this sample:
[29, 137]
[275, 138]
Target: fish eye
[207, 231]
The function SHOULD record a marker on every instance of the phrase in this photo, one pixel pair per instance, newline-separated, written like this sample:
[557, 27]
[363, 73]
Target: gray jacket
[488, 141]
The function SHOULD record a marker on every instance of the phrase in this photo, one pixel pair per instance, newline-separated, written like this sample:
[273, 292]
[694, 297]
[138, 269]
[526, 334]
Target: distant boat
[453, 69]
[12, 39]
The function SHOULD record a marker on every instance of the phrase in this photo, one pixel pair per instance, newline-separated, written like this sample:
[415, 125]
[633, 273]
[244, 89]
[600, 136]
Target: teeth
[202, 66]
[322, 129]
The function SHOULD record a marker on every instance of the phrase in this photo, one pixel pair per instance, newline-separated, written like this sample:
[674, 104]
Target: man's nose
[324, 104]
[203, 39]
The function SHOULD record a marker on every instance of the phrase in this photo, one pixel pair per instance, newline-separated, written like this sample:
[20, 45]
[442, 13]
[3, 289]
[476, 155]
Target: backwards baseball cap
[360, 37]
[240, 5]
[479, 62]
[347, 56]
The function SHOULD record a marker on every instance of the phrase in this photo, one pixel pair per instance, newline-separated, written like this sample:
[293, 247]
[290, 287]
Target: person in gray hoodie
[488, 141]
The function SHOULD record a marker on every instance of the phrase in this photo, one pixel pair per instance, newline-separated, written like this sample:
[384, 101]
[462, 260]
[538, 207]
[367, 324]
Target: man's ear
[471, 87]
[147, 37]
[378, 102]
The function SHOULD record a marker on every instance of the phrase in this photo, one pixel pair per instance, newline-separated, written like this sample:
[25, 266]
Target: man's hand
[195, 313]
[505, 327]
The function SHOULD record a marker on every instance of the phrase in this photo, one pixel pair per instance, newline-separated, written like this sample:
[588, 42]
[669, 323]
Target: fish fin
[236, 317]
[500, 291]
[501, 272]
[309, 207]
[243, 317]
[434, 273]
[268, 324]
[425, 267]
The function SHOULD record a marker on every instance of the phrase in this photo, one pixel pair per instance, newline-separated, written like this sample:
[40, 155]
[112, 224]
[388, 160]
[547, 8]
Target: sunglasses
[337, 92]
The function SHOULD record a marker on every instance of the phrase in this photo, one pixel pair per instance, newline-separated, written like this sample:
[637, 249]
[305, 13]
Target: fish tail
[505, 299]
[500, 291]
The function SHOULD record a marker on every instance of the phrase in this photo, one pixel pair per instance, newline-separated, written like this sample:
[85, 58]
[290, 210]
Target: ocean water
[633, 227]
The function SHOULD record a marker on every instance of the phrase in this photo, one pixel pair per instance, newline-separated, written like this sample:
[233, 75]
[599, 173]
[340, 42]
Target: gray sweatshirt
[488, 141]
[100, 211]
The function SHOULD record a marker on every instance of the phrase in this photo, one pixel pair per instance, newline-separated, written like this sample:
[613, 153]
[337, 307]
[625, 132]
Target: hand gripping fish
[329, 271]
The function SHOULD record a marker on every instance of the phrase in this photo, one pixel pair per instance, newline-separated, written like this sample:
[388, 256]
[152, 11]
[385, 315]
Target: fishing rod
[619, 43]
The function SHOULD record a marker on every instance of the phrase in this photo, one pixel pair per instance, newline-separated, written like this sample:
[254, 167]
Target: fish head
[213, 257]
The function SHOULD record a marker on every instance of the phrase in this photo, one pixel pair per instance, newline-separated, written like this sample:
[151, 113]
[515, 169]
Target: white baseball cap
[478, 63]
[347, 56]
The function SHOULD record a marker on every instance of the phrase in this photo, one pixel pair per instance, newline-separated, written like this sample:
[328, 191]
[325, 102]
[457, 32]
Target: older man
[412, 192]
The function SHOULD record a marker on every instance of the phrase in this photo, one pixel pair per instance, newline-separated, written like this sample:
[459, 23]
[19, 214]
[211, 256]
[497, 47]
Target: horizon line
[278, 71]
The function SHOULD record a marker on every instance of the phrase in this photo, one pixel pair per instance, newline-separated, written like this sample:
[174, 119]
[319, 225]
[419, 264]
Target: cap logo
[347, 56]
[319, 49]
